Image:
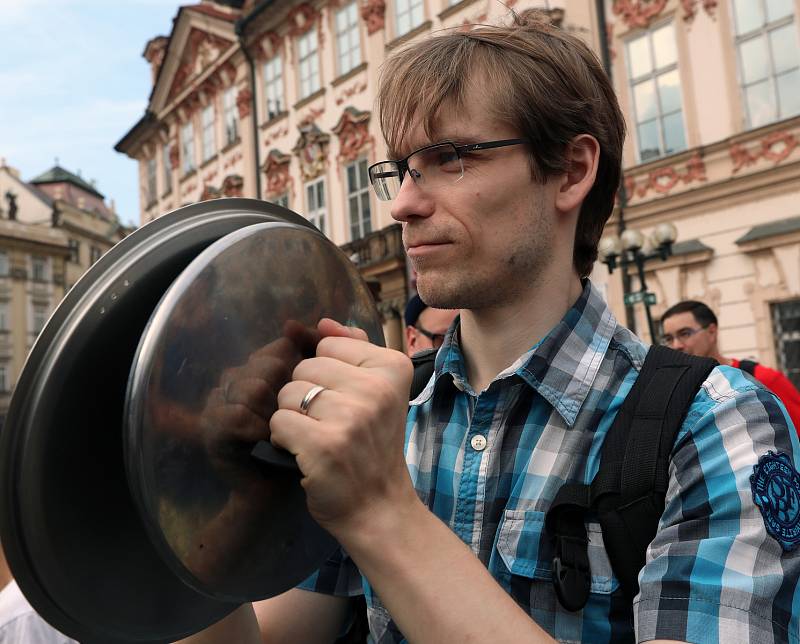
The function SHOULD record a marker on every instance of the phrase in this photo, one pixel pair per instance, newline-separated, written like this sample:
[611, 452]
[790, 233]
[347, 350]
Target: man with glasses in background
[505, 147]
[692, 327]
[425, 326]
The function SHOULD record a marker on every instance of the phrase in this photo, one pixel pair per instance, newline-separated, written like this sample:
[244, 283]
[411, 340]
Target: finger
[291, 397]
[289, 430]
[331, 328]
[329, 372]
[394, 365]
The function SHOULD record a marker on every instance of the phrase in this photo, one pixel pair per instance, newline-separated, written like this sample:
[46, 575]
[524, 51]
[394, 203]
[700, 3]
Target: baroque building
[274, 99]
[52, 229]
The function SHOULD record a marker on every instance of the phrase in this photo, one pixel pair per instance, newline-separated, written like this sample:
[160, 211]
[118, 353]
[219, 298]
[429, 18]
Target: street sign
[640, 296]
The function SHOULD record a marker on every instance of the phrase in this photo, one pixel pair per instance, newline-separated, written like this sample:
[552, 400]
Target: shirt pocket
[525, 550]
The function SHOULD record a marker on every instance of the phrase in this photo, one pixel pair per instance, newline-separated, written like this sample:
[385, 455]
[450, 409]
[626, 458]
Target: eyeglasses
[683, 335]
[430, 167]
[437, 339]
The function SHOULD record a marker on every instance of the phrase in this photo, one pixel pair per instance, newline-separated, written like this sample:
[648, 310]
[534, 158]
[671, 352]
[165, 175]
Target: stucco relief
[232, 185]
[348, 92]
[276, 169]
[638, 13]
[663, 180]
[174, 155]
[244, 103]
[774, 147]
[271, 45]
[690, 8]
[311, 150]
[302, 18]
[373, 13]
[353, 132]
[201, 50]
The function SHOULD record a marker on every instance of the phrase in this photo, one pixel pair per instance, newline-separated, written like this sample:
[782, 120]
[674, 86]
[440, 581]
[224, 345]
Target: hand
[349, 446]
[237, 412]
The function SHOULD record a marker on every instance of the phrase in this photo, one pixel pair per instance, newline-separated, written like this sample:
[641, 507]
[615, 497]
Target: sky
[72, 82]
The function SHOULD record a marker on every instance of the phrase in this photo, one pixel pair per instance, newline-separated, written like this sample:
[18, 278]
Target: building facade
[274, 100]
[52, 229]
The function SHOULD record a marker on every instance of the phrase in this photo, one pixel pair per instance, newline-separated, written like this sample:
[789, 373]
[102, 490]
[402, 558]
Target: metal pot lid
[69, 526]
[220, 345]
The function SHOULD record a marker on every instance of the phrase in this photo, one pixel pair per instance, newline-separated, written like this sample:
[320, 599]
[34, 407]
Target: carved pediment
[353, 132]
[201, 50]
[312, 151]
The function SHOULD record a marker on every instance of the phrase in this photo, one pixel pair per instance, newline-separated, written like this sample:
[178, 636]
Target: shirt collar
[562, 367]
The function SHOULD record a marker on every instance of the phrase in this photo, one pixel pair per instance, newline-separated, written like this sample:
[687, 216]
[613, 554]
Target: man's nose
[411, 201]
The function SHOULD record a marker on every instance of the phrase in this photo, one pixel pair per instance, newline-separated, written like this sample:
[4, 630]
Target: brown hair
[543, 81]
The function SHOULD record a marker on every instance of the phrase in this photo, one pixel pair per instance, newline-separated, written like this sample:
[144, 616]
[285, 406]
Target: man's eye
[449, 160]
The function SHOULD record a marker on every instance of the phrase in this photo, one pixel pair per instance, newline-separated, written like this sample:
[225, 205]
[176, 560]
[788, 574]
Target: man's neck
[493, 338]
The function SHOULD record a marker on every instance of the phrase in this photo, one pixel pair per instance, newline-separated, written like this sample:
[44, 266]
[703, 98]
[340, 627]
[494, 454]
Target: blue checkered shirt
[712, 573]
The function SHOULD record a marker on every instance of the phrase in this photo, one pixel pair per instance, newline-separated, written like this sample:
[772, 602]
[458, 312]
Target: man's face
[431, 322]
[686, 334]
[482, 240]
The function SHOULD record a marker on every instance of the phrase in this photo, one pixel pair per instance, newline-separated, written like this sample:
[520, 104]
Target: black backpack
[627, 494]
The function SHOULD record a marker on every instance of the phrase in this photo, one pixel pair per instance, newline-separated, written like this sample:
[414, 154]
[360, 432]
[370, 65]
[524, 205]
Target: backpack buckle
[572, 574]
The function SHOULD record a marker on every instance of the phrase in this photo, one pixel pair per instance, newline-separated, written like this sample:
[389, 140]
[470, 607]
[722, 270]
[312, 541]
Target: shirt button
[478, 443]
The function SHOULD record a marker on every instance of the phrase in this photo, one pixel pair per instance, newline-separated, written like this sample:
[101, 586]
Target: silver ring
[315, 391]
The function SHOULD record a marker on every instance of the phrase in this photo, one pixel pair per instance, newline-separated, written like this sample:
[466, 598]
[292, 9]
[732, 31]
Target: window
[3, 264]
[151, 181]
[769, 59]
[409, 15]
[3, 316]
[167, 168]
[309, 63]
[187, 147]
[282, 200]
[74, 251]
[348, 43]
[39, 317]
[209, 140]
[94, 254]
[315, 203]
[39, 269]
[358, 199]
[5, 385]
[656, 91]
[229, 109]
[786, 326]
[273, 87]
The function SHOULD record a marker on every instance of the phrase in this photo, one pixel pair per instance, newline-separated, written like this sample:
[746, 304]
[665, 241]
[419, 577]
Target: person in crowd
[503, 166]
[425, 326]
[19, 623]
[691, 326]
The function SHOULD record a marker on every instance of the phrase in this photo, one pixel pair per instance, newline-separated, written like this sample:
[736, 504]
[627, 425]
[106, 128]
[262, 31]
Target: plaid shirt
[712, 573]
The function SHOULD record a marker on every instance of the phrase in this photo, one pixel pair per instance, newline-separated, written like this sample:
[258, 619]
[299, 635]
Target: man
[425, 326]
[507, 160]
[692, 327]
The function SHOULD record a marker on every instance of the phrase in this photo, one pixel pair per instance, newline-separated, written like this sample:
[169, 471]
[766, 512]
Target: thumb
[329, 328]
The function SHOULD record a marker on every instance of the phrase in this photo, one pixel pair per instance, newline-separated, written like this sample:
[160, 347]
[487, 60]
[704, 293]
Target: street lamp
[634, 248]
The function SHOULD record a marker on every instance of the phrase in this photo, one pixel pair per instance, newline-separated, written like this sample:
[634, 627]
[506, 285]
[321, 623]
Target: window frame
[208, 131]
[167, 168]
[311, 82]
[652, 77]
[40, 261]
[792, 372]
[5, 264]
[4, 316]
[188, 160]
[230, 116]
[5, 386]
[274, 88]
[358, 194]
[408, 7]
[763, 33]
[151, 180]
[315, 213]
[348, 34]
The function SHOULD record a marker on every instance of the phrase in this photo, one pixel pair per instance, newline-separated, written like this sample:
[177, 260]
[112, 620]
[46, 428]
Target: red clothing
[781, 386]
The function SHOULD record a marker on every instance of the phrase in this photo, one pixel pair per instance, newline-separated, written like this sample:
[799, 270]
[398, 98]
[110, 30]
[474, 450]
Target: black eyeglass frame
[402, 164]
[433, 337]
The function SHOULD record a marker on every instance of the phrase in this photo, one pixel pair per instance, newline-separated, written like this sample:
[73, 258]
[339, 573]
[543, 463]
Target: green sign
[641, 296]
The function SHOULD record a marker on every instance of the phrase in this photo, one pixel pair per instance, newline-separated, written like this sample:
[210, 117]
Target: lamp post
[633, 248]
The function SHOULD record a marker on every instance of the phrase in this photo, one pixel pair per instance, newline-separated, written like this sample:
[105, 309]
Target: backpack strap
[627, 494]
[424, 363]
[749, 366]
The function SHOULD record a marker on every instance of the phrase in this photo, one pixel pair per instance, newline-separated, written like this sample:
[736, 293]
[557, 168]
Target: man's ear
[712, 331]
[583, 157]
[410, 338]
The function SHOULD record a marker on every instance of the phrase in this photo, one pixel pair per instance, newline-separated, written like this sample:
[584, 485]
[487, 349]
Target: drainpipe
[622, 194]
[240, 32]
